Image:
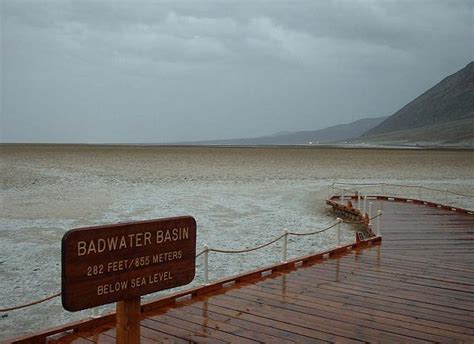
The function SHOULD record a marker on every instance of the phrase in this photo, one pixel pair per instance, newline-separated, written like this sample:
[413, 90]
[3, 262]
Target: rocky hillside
[450, 101]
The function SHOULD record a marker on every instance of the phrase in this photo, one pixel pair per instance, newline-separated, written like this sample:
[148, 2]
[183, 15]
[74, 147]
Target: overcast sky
[155, 71]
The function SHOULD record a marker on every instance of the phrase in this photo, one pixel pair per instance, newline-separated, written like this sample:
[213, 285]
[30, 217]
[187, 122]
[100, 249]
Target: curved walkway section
[415, 286]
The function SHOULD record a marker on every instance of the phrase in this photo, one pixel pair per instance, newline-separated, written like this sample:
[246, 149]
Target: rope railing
[354, 222]
[248, 249]
[8, 309]
[284, 236]
[449, 198]
[401, 186]
[205, 252]
[208, 250]
[313, 233]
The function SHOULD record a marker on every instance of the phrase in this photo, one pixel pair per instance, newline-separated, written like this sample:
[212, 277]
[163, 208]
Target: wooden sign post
[121, 262]
[128, 321]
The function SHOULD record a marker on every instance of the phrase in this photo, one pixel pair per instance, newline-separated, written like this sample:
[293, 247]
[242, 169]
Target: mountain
[339, 132]
[443, 114]
[453, 133]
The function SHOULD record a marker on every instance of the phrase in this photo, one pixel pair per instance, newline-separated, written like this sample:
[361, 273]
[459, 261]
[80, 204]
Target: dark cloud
[148, 71]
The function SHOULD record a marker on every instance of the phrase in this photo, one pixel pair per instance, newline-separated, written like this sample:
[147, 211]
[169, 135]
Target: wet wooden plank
[320, 321]
[187, 334]
[412, 310]
[382, 314]
[263, 333]
[258, 323]
[397, 296]
[382, 280]
[72, 339]
[221, 326]
[203, 328]
[158, 336]
[287, 321]
[377, 328]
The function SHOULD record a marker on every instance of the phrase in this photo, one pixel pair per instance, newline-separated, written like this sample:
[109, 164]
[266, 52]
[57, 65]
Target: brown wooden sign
[110, 263]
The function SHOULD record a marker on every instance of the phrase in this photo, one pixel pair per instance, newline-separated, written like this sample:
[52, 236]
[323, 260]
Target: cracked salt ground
[239, 197]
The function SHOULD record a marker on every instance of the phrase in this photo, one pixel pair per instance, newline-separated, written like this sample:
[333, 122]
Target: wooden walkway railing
[416, 286]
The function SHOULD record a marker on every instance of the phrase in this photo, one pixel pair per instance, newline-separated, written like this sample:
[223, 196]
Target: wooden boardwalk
[415, 286]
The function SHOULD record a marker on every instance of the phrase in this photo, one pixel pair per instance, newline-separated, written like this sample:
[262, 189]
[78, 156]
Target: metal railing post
[446, 197]
[370, 213]
[383, 188]
[342, 196]
[285, 246]
[206, 264]
[365, 205]
[379, 214]
[339, 221]
[358, 201]
[419, 192]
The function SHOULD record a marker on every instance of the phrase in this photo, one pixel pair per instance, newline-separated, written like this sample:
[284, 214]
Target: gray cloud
[148, 71]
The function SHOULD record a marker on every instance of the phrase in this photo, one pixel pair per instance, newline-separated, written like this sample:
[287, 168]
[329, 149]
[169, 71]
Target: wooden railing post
[206, 264]
[370, 213]
[285, 246]
[338, 233]
[379, 213]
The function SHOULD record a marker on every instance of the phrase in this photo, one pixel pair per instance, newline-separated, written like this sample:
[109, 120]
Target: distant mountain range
[443, 115]
[335, 133]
